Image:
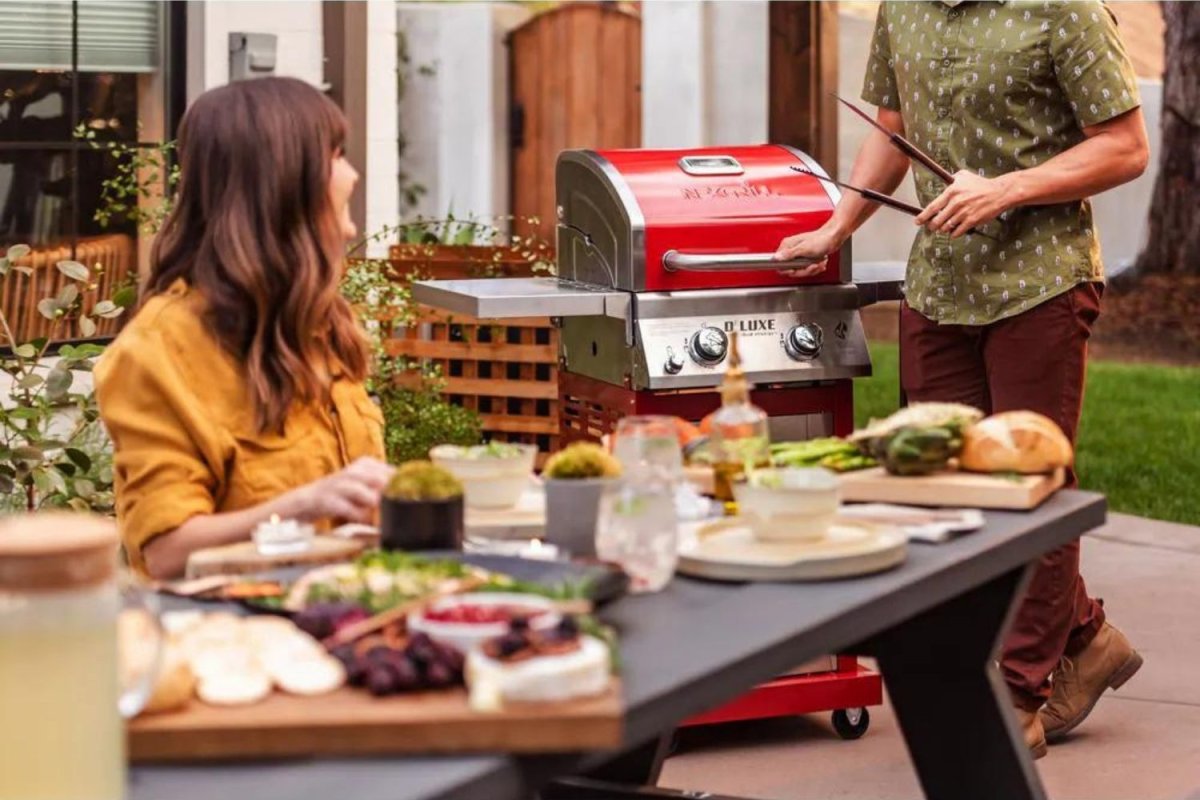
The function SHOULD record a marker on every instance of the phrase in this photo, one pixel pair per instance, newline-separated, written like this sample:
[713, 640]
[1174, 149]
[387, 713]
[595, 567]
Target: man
[1034, 107]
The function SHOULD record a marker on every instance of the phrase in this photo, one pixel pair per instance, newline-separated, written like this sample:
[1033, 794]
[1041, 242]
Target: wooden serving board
[242, 558]
[950, 489]
[525, 520]
[351, 722]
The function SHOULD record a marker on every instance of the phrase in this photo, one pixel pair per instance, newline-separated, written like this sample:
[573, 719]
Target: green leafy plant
[416, 420]
[53, 452]
[495, 247]
[416, 415]
[143, 173]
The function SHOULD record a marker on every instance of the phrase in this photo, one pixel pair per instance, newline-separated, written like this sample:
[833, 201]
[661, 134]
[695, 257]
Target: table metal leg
[951, 703]
[623, 776]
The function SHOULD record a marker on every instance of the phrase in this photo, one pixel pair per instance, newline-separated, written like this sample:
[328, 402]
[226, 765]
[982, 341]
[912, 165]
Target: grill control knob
[674, 364]
[803, 342]
[708, 346]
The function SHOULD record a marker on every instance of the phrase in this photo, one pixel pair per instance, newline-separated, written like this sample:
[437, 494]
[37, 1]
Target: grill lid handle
[673, 261]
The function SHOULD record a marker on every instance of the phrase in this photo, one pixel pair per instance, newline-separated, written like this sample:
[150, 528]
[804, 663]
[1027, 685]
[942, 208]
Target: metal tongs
[909, 149]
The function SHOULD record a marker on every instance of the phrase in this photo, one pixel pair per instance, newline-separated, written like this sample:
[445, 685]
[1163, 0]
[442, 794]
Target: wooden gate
[575, 81]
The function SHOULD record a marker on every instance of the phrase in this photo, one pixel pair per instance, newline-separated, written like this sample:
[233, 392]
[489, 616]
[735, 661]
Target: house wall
[299, 53]
[704, 73]
[454, 112]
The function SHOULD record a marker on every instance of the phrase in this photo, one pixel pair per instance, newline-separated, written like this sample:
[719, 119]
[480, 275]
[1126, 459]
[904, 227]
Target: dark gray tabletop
[685, 650]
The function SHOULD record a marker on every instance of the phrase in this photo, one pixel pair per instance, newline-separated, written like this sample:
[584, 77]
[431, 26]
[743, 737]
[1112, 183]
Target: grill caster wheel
[851, 723]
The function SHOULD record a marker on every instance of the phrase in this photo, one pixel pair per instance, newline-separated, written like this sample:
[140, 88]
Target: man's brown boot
[1106, 663]
[1031, 726]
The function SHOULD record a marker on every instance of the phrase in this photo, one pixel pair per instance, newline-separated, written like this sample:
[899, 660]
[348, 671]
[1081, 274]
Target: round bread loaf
[1015, 441]
[174, 686]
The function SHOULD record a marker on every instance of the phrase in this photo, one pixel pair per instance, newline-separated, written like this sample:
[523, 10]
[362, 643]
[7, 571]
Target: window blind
[114, 35]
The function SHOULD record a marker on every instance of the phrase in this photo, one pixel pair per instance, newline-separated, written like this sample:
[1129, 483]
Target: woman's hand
[967, 203]
[816, 244]
[352, 494]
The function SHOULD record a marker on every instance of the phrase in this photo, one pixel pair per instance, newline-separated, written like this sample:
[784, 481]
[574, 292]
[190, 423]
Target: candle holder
[277, 537]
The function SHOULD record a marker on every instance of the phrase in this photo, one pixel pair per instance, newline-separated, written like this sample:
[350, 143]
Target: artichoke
[918, 451]
[919, 439]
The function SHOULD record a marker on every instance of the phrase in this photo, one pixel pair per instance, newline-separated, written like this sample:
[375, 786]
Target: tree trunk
[1174, 243]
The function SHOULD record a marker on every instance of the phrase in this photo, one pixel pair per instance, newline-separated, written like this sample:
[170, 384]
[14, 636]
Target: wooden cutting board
[950, 489]
[525, 520]
[351, 722]
[243, 558]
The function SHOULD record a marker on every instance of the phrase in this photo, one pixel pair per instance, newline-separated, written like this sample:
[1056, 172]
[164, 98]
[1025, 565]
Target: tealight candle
[280, 537]
[539, 550]
[533, 549]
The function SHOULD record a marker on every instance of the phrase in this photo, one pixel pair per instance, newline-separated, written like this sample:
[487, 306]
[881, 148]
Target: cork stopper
[734, 386]
[58, 550]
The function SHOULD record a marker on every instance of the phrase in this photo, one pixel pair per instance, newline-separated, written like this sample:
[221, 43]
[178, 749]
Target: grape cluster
[322, 620]
[419, 663]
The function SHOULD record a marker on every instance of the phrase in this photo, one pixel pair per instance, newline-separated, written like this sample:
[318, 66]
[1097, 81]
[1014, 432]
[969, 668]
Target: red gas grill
[661, 255]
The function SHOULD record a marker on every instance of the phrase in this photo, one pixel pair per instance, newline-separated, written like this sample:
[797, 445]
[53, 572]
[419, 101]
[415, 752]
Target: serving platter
[728, 550]
[603, 581]
[243, 558]
[351, 722]
[951, 489]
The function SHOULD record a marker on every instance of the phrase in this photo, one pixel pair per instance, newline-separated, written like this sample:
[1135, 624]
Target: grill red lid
[723, 201]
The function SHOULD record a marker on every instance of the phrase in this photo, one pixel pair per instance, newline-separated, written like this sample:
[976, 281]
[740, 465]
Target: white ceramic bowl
[468, 636]
[489, 481]
[789, 504]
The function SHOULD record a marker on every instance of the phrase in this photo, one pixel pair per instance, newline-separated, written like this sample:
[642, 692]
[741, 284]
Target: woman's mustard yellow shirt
[185, 443]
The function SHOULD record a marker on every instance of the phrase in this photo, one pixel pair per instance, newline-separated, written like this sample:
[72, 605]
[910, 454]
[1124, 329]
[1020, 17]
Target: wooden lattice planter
[504, 370]
[19, 294]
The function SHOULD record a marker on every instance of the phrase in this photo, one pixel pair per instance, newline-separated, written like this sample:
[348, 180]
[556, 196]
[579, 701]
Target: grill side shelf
[506, 298]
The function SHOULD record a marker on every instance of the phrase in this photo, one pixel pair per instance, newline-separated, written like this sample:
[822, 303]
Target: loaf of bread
[137, 640]
[1015, 441]
[174, 686]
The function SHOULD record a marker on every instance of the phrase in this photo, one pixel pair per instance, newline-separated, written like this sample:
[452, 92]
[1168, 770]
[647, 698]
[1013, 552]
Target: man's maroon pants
[1032, 361]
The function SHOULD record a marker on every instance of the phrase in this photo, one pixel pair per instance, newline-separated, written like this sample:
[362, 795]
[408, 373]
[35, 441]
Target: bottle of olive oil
[739, 431]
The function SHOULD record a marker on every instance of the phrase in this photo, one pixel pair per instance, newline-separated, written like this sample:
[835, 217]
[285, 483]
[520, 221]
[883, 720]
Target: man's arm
[1113, 153]
[878, 166]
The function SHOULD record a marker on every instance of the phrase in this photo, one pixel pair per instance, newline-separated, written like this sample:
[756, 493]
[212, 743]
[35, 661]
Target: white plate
[727, 550]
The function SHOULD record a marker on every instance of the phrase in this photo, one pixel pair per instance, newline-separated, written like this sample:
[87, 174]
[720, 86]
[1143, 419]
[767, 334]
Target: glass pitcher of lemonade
[61, 700]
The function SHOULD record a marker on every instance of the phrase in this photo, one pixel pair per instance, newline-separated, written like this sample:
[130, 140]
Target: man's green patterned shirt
[995, 87]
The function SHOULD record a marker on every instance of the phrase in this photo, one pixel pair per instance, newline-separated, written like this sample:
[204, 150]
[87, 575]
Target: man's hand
[816, 244]
[967, 203]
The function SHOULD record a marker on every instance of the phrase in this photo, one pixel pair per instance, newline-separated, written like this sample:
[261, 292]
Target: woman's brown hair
[253, 230]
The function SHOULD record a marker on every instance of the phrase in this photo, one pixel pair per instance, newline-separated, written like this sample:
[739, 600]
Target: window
[105, 66]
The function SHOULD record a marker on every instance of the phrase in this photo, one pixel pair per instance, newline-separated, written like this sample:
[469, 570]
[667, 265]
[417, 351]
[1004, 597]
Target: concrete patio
[1142, 743]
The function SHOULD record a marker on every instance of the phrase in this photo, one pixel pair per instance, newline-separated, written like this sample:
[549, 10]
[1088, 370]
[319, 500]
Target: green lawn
[1139, 442]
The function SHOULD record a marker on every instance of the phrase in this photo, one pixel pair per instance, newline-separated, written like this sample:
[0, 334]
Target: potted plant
[576, 478]
[467, 248]
[422, 509]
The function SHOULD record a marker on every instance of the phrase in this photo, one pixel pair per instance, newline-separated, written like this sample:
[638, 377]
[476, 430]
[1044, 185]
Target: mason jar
[61, 730]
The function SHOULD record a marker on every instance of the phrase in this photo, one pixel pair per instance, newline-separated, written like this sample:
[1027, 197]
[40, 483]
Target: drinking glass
[648, 448]
[638, 529]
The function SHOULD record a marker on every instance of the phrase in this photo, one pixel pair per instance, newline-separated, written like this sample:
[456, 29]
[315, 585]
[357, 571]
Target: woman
[235, 393]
